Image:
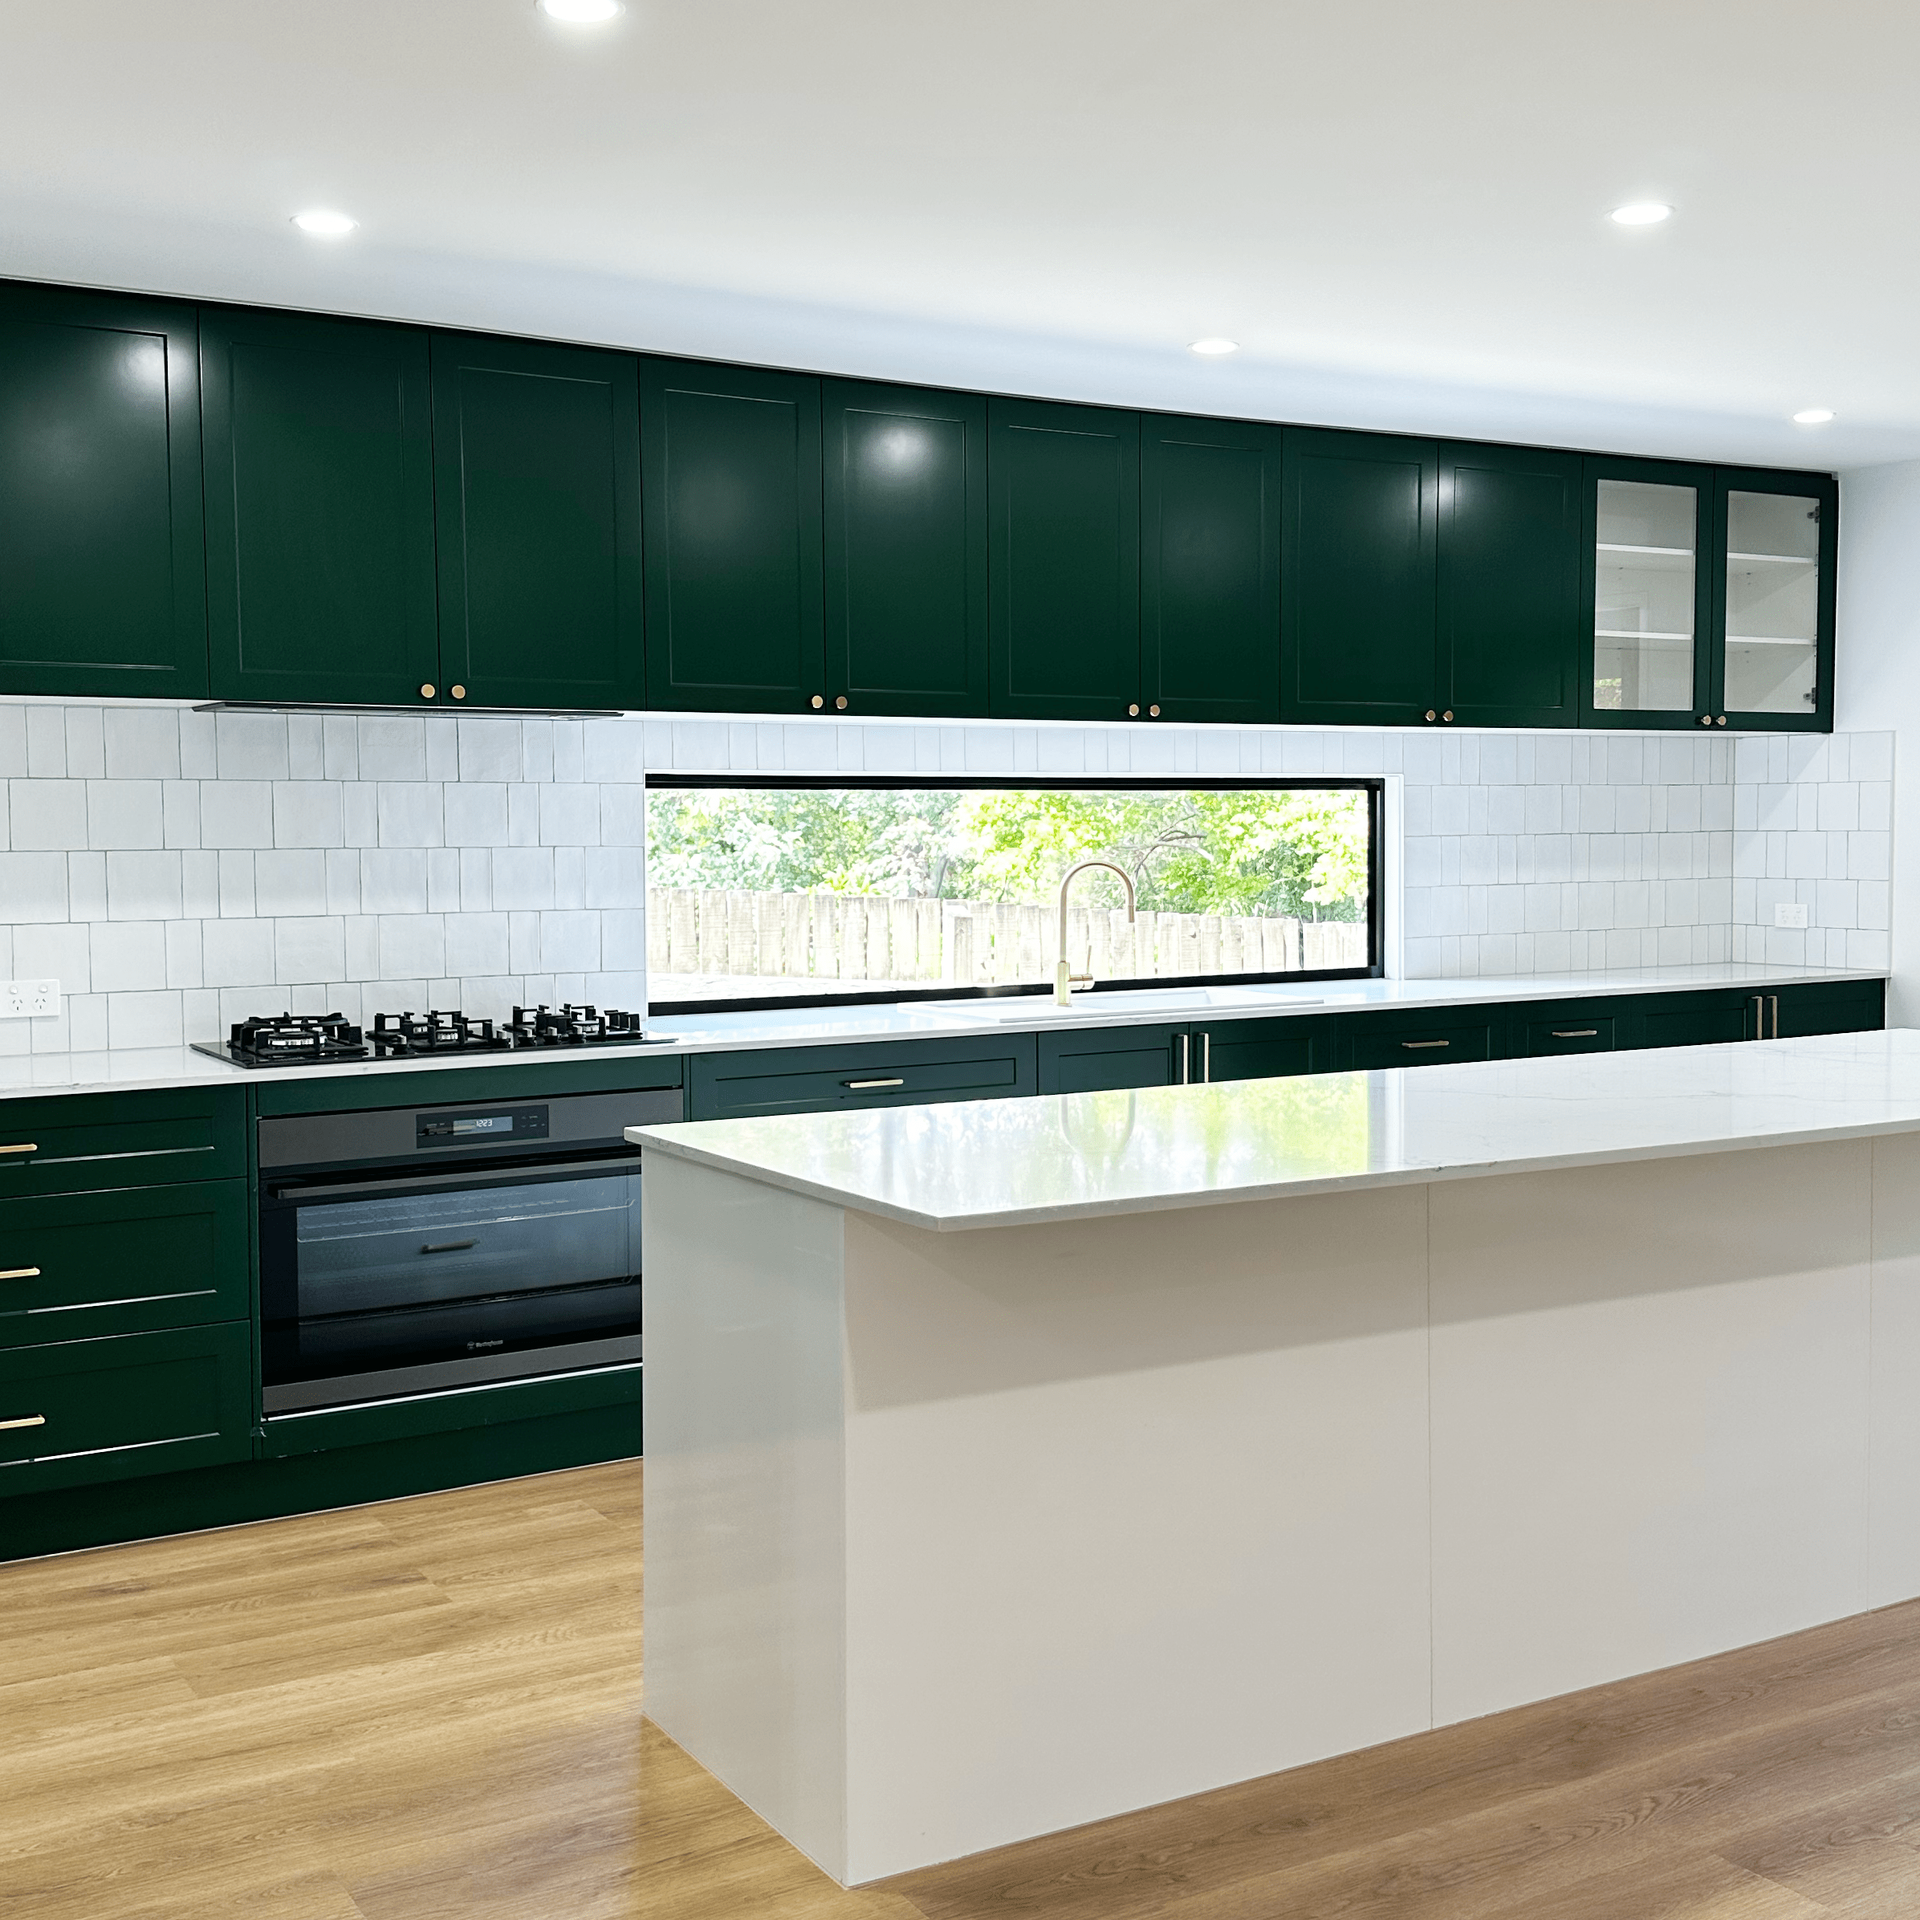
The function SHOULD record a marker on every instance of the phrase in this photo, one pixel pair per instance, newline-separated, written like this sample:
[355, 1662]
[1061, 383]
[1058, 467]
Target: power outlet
[29, 999]
[1789, 914]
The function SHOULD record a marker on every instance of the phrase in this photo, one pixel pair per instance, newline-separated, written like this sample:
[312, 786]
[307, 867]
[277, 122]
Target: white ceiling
[1398, 207]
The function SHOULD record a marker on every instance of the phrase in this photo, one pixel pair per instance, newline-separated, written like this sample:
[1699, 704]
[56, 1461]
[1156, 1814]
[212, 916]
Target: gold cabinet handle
[32, 1420]
[1706, 719]
[818, 701]
[1576, 1033]
[840, 701]
[1133, 710]
[859, 1085]
[426, 690]
[1426, 1043]
[19, 1273]
[22, 1146]
[1186, 1059]
[1448, 715]
[1430, 713]
[459, 693]
[1206, 1055]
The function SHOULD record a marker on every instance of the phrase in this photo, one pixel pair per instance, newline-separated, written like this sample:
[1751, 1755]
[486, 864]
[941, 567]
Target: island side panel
[1136, 1507]
[1649, 1415]
[1893, 1558]
[744, 1530]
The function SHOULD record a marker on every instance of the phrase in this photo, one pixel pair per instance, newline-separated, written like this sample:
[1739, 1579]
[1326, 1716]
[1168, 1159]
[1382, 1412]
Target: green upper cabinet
[731, 485]
[1774, 545]
[1509, 586]
[1063, 488]
[102, 577]
[1648, 587]
[319, 489]
[1357, 622]
[905, 478]
[536, 457]
[1210, 569]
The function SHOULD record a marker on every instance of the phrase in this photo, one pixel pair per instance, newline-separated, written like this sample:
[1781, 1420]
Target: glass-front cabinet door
[1652, 593]
[1773, 617]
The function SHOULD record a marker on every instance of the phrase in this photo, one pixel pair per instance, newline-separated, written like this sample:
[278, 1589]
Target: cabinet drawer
[1696, 1019]
[1096, 1060]
[74, 1267]
[1263, 1049]
[1850, 1006]
[84, 1143]
[1570, 1030]
[812, 1080]
[92, 1410]
[1434, 1044]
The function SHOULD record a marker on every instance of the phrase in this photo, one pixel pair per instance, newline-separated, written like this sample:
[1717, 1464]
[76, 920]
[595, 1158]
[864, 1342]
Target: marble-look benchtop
[127, 1069]
[1004, 1163]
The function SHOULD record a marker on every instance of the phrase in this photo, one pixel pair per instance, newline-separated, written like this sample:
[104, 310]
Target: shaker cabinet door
[1064, 560]
[320, 542]
[536, 454]
[1357, 632]
[906, 549]
[731, 484]
[102, 571]
[1210, 570]
[1509, 586]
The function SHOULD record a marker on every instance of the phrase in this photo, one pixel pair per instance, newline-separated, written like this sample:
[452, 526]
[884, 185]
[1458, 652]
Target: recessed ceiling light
[1813, 416]
[1213, 344]
[324, 222]
[580, 13]
[1641, 213]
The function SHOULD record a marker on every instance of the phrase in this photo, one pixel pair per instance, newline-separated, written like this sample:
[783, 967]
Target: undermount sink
[1174, 1002]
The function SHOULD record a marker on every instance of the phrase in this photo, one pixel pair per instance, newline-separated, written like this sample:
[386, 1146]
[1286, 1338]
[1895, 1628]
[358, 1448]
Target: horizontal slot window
[789, 893]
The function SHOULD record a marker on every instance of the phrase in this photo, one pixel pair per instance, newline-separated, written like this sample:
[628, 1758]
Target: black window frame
[1374, 786]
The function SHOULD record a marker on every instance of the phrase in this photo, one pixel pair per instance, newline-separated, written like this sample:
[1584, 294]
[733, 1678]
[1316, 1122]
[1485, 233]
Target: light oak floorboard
[431, 1709]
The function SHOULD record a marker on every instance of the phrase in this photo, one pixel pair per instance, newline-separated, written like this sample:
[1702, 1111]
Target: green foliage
[1243, 850]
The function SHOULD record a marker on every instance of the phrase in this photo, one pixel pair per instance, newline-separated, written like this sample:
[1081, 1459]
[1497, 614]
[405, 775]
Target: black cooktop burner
[571, 1026]
[288, 1040]
[397, 1035]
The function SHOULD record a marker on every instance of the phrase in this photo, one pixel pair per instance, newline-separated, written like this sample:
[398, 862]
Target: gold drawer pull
[32, 1420]
[1426, 1043]
[857, 1085]
[19, 1273]
[1576, 1033]
[25, 1146]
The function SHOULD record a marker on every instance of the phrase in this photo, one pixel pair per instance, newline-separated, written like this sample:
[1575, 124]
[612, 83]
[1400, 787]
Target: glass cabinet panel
[1773, 602]
[1643, 607]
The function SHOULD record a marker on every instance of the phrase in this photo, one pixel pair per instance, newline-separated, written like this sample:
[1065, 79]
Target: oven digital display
[460, 1129]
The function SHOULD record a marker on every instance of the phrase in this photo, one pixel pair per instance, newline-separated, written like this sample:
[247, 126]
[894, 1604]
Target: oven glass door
[397, 1273]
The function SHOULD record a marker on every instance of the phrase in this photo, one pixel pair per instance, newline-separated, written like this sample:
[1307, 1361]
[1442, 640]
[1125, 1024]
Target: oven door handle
[502, 1176]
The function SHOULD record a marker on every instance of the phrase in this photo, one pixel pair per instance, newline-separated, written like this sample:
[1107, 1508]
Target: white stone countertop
[998, 1163]
[126, 1069]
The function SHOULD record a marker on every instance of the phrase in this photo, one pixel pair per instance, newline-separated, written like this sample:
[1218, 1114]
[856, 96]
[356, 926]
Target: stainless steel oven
[420, 1249]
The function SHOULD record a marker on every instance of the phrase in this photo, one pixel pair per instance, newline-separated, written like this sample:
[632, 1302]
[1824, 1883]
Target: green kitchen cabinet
[1510, 552]
[319, 493]
[905, 506]
[1210, 570]
[101, 551]
[894, 1073]
[93, 1142]
[1838, 1006]
[73, 1266]
[1268, 1048]
[1063, 490]
[731, 487]
[536, 461]
[1696, 1019]
[1425, 1037]
[86, 1411]
[1360, 530]
[1774, 553]
[1103, 1059]
[1537, 1029]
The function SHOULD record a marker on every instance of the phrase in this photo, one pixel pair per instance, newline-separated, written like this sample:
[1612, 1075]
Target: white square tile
[144, 1019]
[251, 746]
[523, 937]
[393, 747]
[623, 816]
[236, 885]
[570, 942]
[522, 880]
[569, 878]
[47, 743]
[340, 747]
[199, 746]
[236, 813]
[306, 747]
[476, 943]
[569, 815]
[86, 886]
[569, 750]
[86, 745]
[343, 879]
[127, 956]
[143, 886]
[523, 816]
[536, 749]
[13, 743]
[476, 879]
[410, 813]
[308, 813]
[363, 950]
[183, 953]
[289, 882]
[412, 945]
[180, 813]
[142, 743]
[443, 749]
[59, 952]
[1870, 756]
[443, 880]
[199, 885]
[890, 749]
[309, 950]
[616, 750]
[393, 880]
[45, 813]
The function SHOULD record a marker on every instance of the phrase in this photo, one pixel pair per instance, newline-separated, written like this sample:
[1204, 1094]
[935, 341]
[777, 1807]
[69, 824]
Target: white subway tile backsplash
[289, 882]
[411, 814]
[393, 747]
[127, 955]
[308, 813]
[306, 746]
[251, 746]
[144, 886]
[236, 813]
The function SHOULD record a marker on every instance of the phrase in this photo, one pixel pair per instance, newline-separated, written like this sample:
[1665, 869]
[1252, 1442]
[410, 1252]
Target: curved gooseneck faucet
[1063, 975]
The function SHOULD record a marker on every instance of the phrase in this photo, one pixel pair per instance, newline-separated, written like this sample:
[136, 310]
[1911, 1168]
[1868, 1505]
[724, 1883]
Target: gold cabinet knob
[1706, 719]
[1133, 712]
[1154, 712]
[1431, 715]
[1448, 715]
[459, 693]
[1721, 721]
[426, 690]
[840, 701]
[818, 701]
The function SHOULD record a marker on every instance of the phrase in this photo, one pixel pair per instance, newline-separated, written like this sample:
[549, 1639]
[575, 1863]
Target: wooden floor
[432, 1708]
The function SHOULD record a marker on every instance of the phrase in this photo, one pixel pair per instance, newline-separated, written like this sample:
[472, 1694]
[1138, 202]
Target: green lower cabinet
[77, 1266]
[731, 1086]
[1695, 1019]
[87, 1411]
[1581, 1026]
[1425, 1039]
[1099, 1059]
[1844, 1006]
[83, 1143]
[1265, 1049]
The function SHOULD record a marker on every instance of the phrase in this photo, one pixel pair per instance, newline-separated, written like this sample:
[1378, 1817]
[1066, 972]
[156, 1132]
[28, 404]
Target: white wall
[1878, 678]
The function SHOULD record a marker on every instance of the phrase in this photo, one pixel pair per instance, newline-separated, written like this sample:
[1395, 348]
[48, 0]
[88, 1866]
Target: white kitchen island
[1014, 1464]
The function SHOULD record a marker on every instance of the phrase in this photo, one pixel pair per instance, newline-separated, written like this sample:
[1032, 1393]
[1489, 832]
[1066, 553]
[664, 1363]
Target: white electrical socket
[29, 999]
[1787, 914]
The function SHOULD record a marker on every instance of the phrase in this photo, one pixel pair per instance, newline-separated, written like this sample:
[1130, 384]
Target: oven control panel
[443, 1129]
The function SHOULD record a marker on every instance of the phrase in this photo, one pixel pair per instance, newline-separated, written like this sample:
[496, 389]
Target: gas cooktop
[305, 1039]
